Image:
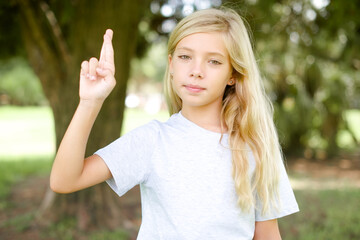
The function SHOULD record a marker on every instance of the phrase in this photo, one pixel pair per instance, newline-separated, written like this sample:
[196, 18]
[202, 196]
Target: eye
[184, 57]
[215, 62]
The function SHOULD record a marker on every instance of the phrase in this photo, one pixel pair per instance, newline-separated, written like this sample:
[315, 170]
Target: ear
[231, 81]
[170, 63]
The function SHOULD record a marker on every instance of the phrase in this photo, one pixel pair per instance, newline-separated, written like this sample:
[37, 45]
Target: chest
[198, 170]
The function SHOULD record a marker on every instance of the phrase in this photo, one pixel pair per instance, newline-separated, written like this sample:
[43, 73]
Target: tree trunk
[58, 38]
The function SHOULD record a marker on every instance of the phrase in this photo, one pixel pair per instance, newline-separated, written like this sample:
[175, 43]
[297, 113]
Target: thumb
[103, 72]
[106, 74]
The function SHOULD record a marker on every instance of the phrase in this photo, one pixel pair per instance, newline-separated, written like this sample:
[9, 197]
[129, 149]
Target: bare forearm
[69, 160]
[267, 230]
[71, 172]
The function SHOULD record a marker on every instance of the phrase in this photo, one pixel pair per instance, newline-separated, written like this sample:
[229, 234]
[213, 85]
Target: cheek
[175, 83]
[224, 76]
[180, 74]
[178, 68]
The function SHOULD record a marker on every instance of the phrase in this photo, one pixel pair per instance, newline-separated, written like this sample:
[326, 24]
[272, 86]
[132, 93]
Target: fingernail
[92, 77]
[88, 75]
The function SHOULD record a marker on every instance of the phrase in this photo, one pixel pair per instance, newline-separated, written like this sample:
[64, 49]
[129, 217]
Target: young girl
[214, 170]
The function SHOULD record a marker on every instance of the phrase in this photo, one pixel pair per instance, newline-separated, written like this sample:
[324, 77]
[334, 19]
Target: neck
[208, 118]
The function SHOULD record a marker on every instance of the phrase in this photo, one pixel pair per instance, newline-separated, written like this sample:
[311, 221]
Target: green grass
[22, 168]
[66, 230]
[324, 215]
[26, 131]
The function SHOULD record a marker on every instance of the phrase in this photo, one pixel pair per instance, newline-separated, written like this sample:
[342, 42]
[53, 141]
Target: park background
[308, 53]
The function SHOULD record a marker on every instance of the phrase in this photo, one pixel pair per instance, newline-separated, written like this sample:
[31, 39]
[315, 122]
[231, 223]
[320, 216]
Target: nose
[196, 75]
[197, 71]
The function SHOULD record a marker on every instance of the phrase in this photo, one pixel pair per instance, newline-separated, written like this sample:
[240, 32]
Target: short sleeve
[286, 200]
[129, 157]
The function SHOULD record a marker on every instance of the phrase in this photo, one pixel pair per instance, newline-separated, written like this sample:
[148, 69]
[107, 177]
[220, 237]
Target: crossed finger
[107, 51]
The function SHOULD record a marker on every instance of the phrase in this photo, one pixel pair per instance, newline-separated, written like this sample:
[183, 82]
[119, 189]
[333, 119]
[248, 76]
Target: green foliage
[152, 66]
[14, 171]
[19, 85]
[325, 214]
[311, 64]
[10, 31]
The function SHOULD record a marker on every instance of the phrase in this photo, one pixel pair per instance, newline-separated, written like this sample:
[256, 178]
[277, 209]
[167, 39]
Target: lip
[194, 88]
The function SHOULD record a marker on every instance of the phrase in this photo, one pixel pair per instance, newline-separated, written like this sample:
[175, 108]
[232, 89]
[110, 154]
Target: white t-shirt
[185, 177]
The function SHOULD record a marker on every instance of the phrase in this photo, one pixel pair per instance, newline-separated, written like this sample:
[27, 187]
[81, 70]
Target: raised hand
[97, 76]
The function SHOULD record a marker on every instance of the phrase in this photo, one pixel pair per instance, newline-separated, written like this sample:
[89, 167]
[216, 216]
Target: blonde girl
[214, 170]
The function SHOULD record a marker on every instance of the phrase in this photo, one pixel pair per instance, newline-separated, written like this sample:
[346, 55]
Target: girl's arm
[267, 230]
[70, 171]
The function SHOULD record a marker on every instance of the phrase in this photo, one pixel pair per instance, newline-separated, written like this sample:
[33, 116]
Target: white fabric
[187, 190]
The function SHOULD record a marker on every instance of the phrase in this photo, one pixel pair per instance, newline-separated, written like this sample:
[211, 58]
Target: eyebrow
[208, 53]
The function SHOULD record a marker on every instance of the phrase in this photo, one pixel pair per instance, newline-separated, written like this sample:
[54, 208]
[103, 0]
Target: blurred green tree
[26, 90]
[309, 54]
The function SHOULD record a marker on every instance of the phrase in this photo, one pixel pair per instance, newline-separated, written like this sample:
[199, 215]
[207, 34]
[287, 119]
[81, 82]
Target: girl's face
[201, 69]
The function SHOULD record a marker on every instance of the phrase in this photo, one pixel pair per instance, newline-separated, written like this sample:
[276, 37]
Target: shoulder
[138, 141]
[156, 126]
[149, 128]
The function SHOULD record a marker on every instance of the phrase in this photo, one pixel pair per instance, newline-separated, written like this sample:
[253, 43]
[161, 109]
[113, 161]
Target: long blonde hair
[246, 111]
